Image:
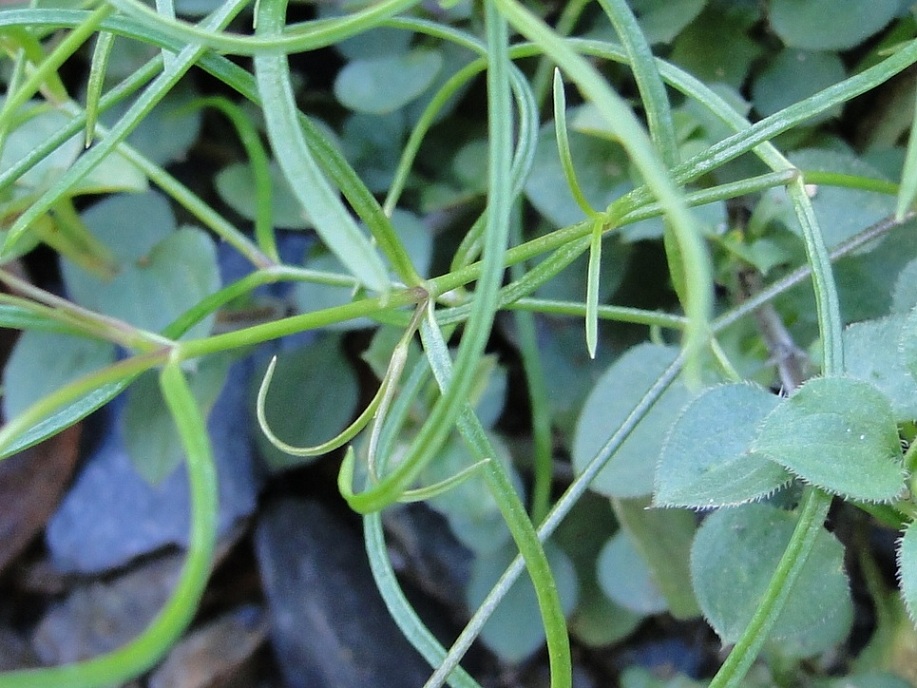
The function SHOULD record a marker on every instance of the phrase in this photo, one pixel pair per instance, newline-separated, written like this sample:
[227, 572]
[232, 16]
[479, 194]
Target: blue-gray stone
[112, 515]
[328, 623]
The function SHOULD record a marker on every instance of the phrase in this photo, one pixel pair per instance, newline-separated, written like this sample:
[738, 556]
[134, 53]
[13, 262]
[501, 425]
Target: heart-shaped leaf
[629, 473]
[829, 24]
[840, 434]
[706, 460]
[907, 569]
[733, 558]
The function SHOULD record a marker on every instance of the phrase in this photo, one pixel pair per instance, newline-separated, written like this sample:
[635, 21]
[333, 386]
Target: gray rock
[329, 625]
[112, 515]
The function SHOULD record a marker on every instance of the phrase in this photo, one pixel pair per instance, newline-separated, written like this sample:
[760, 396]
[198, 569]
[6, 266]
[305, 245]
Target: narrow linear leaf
[839, 434]
[706, 461]
[908, 190]
[333, 222]
[96, 81]
[592, 289]
[563, 146]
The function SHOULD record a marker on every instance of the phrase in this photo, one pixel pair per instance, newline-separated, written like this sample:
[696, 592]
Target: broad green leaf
[624, 576]
[907, 569]
[167, 132]
[904, 293]
[235, 184]
[703, 50]
[24, 138]
[312, 398]
[907, 343]
[150, 435]
[113, 174]
[42, 362]
[706, 460]
[373, 145]
[839, 434]
[829, 24]
[871, 354]
[793, 75]
[514, 631]
[662, 20]
[733, 558]
[130, 225]
[663, 538]
[180, 270]
[384, 84]
[630, 471]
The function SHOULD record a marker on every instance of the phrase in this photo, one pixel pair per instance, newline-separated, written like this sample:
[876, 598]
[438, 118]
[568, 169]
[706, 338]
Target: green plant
[718, 194]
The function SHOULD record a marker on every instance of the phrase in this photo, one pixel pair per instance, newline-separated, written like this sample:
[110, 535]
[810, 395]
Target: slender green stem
[516, 519]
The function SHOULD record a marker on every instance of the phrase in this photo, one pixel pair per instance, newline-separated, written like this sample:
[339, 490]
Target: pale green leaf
[235, 184]
[907, 569]
[663, 539]
[733, 558]
[515, 631]
[384, 84]
[907, 343]
[179, 267]
[630, 471]
[839, 434]
[624, 576]
[871, 354]
[150, 435]
[43, 362]
[829, 24]
[793, 75]
[706, 460]
[662, 20]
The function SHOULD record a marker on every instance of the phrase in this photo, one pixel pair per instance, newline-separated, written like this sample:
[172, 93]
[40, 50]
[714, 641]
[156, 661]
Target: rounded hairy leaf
[311, 399]
[624, 576]
[384, 84]
[840, 434]
[706, 460]
[907, 569]
[829, 24]
[629, 473]
[907, 343]
[736, 552]
[871, 353]
[514, 631]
